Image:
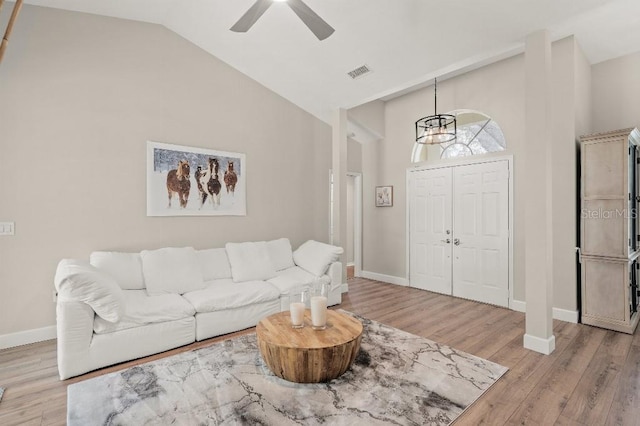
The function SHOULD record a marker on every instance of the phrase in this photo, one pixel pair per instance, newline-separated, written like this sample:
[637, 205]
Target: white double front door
[459, 231]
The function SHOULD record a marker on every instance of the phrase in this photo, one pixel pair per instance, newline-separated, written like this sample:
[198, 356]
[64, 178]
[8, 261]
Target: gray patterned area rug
[397, 378]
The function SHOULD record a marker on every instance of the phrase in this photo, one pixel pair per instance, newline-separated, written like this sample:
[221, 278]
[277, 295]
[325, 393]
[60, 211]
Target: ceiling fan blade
[251, 16]
[316, 24]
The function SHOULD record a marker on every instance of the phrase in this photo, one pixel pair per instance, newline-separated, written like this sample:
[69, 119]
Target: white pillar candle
[318, 311]
[297, 313]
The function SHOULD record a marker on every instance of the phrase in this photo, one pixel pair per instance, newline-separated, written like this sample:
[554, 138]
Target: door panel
[480, 264]
[430, 219]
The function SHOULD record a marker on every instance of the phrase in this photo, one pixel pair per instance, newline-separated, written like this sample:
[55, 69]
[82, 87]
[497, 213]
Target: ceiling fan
[311, 19]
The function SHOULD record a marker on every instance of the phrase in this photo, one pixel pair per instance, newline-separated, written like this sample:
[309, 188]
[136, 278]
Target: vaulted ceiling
[404, 42]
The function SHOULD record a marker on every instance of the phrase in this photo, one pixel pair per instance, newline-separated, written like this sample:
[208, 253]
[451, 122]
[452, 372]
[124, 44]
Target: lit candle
[297, 314]
[318, 311]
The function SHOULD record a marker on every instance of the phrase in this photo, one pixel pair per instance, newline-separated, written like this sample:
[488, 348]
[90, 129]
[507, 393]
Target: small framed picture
[384, 196]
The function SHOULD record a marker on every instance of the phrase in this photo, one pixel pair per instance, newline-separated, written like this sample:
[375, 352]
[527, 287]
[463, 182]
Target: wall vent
[359, 72]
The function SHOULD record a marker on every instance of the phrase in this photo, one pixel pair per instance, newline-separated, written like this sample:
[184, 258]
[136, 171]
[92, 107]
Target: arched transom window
[477, 133]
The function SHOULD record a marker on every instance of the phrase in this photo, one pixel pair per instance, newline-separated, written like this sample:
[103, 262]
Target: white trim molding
[28, 336]
[565, 315]
[560, 314]
[357, 222]
[518, 305]
[544, 346]
[385, 278]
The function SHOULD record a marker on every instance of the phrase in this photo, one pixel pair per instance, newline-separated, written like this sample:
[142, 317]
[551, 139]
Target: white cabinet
[609, 231]
[459, 231]
[607, 293]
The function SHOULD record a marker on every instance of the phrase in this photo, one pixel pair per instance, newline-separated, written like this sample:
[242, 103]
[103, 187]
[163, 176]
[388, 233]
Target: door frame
[357, 222]
[357, 219]
[465, 161]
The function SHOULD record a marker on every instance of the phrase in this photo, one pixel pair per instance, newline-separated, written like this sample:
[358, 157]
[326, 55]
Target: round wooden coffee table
[305, 355]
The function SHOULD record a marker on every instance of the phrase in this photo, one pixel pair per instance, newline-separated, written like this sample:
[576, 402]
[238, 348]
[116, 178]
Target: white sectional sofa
[122, 306]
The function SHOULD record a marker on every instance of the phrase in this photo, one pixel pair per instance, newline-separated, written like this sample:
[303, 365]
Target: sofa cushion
[280, 253]
[142, 309]
[126, 268]
[227, 294]
[171, 270]
[77, 280]
[315, 257]
[296, 277]
[250, 261]
[214, 264]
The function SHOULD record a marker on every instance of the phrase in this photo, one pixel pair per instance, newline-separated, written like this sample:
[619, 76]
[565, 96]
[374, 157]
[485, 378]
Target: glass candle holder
[319, 297]
[297, 304]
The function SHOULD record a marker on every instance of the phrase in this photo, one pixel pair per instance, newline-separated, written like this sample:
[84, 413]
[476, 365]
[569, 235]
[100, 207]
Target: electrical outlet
[7, 228]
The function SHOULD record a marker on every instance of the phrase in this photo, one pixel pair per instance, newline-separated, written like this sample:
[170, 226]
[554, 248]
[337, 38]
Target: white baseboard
[558, 313]
[565, 315]
[28, 336]
[518, 305]
[385, 278]
[544, 346]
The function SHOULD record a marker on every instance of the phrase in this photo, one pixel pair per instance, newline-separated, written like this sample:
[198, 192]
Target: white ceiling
[405, 42]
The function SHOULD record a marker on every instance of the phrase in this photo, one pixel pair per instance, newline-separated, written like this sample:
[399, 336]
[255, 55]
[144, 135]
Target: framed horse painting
[190, 181]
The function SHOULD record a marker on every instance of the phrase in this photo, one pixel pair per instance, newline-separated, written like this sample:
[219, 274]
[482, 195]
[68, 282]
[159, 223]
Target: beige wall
[583, 122]
[79, 96]
[354, 156]
[583, 93]
[568, 83]
[370, 116]
[616, 92]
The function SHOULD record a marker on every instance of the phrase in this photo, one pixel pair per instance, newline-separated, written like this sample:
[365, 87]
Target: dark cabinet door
[634, 198]
[633, 287]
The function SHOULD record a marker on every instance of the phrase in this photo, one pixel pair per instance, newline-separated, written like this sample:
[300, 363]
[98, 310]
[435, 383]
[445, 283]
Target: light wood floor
[592, 378]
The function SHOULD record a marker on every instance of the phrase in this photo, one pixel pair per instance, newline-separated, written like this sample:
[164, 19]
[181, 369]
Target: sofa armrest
[335, 273]
[74, 334]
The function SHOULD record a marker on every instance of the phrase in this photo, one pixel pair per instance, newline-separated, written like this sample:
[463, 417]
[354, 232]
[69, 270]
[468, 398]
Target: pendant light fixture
[437, 128]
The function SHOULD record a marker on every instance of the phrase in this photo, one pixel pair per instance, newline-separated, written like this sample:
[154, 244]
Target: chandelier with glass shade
[437, 128]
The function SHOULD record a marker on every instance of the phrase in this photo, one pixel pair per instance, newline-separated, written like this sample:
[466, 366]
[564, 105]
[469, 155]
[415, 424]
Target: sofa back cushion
[214, 264]
[315, 257]
[280, 253]
[250, 261]
[125, 268]
[171, 270]
[78, 280]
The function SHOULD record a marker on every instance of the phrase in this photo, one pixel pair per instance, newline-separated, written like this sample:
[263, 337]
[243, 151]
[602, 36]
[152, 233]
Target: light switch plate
[7, 228]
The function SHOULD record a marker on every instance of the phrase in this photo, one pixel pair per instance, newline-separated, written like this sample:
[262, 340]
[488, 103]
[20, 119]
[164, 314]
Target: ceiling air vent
[359, 72]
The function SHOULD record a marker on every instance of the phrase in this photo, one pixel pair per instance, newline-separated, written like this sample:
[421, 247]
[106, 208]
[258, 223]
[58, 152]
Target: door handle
[456, 242]
[447, 241]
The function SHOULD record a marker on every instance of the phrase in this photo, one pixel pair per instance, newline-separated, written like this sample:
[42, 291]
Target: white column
[339, 166]
[538, 216]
